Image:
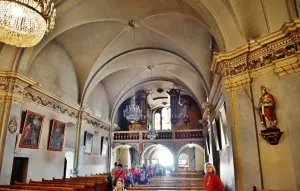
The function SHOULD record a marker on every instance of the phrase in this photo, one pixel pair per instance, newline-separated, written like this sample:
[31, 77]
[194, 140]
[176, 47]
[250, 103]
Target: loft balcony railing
[162, 135]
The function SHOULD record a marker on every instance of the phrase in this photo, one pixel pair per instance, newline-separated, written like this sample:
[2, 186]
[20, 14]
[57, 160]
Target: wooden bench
[171, 183]
[258, 189]
[45, 187]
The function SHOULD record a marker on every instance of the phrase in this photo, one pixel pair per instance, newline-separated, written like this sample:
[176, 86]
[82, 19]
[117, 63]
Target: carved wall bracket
[272, 135]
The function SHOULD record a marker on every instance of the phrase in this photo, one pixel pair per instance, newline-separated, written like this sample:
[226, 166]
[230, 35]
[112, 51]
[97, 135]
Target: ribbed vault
[177, 37]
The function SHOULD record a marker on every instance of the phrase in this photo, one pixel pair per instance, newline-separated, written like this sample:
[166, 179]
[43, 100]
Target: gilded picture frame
[32, 130]
[56, 135]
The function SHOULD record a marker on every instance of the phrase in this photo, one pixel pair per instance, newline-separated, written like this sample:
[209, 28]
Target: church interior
[90, 86]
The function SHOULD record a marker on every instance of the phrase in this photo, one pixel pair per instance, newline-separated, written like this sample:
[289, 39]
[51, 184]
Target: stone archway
[125, 154]
[197, 158]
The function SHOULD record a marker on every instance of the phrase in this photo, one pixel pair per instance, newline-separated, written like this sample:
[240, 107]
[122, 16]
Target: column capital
[209, 112]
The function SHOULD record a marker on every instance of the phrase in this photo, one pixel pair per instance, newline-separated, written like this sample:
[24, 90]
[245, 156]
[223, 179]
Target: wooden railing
[161, 135]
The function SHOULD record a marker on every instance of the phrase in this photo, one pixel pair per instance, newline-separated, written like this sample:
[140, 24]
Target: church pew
[258, 189]
[49, 188]
[78, 187]
[98, 182]
[10, 189]
[168, 183]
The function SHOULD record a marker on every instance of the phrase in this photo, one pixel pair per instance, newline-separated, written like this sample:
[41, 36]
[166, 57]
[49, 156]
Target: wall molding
[18, 89]
[265, 51]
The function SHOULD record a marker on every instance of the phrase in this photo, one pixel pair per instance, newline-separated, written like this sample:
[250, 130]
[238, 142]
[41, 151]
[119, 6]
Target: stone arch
[154, 147]
[189, 145]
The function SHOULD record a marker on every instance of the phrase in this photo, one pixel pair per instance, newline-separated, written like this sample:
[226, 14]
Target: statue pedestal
[272, 135]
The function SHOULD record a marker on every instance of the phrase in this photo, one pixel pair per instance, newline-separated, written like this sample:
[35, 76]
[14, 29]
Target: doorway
[19, 170]
[65, 168]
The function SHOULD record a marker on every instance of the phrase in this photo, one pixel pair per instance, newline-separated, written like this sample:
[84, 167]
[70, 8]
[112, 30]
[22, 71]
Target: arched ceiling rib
[96, 35]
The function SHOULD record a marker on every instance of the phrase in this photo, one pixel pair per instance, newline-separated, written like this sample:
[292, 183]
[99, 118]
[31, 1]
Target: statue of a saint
[266, 109]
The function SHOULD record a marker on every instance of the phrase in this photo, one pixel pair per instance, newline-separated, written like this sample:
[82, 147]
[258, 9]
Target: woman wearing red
[211, 181]
[120, 174]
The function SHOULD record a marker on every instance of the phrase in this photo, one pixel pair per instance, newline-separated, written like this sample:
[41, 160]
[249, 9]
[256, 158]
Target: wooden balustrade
[126, 136]
[161, 135]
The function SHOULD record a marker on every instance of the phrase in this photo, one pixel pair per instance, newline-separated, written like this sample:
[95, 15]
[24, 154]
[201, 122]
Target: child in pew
[120, 185]
[142, 179]
[211, 181]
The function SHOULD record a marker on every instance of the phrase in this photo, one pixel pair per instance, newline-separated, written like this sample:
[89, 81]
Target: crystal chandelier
[132, 112]
[23, 23]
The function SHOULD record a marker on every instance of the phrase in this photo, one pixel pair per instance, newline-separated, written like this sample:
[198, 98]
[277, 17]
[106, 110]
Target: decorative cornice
[268, 50]
[239, 82]
[17, 88]
[92, 119]
[288, 66]
[34, 96]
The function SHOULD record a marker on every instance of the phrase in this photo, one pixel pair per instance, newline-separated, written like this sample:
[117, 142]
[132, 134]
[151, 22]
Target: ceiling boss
[23, 23]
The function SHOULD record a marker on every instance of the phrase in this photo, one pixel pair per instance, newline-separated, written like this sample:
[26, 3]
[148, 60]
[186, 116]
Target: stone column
[77, 143]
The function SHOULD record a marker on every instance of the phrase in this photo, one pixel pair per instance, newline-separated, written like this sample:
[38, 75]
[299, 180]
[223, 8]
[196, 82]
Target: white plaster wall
[54, 70]
[199, 156]
[48, 164]
[43, 163]
[123, 156]
[98, 102]
[91, 164]
[290, 86]
[273, 158]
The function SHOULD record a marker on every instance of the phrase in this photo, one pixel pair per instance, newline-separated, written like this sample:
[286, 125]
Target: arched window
[157, 121]
[166, 118]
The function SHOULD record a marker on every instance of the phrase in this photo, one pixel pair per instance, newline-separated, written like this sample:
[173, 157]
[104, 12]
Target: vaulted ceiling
[175, 36]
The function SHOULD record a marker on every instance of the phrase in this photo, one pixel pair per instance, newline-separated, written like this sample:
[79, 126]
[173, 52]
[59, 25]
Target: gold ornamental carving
[276, 49]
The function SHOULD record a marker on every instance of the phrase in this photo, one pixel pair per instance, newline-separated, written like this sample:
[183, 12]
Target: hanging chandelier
[132, 112]
[23, 23]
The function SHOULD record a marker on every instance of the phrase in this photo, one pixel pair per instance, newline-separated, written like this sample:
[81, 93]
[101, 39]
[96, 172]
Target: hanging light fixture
[132, 112]
[23, 23]
[151, 134]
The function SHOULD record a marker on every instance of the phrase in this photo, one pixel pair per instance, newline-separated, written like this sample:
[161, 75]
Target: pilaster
[265, 61]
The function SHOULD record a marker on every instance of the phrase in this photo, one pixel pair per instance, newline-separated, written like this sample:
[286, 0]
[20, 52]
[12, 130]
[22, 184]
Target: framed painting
[56, 135]
[88, 142]
[224, 130]
[104, 146]
[32, 130]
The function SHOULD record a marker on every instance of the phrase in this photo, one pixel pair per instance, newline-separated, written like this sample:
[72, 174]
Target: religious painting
[104, 146]
[32, 130]
[56, 135]
[88, 142]
[13, 124]
[224, 130]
